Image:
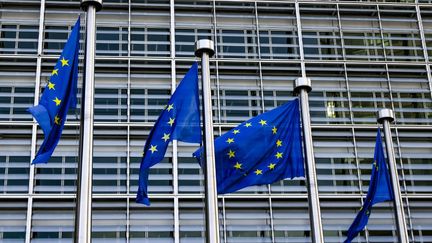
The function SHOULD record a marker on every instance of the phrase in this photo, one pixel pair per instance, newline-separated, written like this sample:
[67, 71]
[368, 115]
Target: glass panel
[15, 159]
[150, 29]
[150, 89]
[59, 20]
[109, 160]
[192, 25]
[401, 33]
[109, 220]
[361, 33]
[369, 91]
[154, 224]
[278, 31]
[239, 93]
[111, 82]
[236, 30]
[328, 100]
[19, 35]
[247, 222]
[112, 31]
[13, 215]
[52, 220]
[16, 88]
[321, 35]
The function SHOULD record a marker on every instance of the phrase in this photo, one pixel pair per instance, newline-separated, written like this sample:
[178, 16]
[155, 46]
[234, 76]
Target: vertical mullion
[341, 33]
[174, 142]
[385, 59]
[259, 57]
[128, 114]
[224, 220]
[300, 39]
[359, 174]
[350, 106]
[271, 217]
[215, 40]
[263, 110]
[34, 125]
[424, 46]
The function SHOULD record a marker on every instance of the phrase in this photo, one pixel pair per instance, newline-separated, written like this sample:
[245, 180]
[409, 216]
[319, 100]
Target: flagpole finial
[204, 45]
[385, 114]
[96, 3]
[302, 83]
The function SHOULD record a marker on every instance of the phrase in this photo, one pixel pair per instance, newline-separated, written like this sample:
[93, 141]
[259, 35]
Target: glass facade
[360, 55]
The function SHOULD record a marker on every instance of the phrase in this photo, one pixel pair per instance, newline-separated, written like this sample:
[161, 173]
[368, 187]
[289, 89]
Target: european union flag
[380, 190]
[180, 120]
[59, 95]
[262, 150]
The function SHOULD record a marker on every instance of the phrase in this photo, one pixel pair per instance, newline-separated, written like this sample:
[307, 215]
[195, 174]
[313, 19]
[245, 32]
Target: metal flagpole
[205, 49]
[83, 215]
[385, 116]
[302, 86]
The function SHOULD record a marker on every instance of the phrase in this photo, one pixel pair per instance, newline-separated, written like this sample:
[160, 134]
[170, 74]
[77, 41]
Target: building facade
[360, 55]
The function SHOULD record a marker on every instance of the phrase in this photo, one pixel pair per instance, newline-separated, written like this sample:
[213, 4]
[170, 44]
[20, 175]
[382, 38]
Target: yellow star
[238, 166]
[231, 153]
[153, 148]
[57, 101]
[54, 72]
[170, 107]
[375, 165]
[171, 121]
[248, 124]
[274, 130]
[278, 155]
[57, 120]
[64, 62]
[51, 85]
[262, 122]
[230, 140]
[235, 131]
[271, 166]
[258, 172]
[278, 143]
[166, 137]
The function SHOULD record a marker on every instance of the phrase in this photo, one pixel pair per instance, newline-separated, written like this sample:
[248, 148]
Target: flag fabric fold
[59, 95]
[380, 190]
[180, 120]
[262, 150]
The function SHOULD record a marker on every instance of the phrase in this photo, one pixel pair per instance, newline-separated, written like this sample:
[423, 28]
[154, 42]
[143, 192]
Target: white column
[83, 215]
[302, 86]
[385, 116]
[205, 49]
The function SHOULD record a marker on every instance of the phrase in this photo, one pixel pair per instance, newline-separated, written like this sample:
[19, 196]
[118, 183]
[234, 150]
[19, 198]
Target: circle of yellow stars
[232, 153]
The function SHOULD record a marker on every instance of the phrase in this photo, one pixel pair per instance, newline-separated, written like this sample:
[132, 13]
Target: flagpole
[205, 49]
[83, 215]
[385, 116]
[302, 86]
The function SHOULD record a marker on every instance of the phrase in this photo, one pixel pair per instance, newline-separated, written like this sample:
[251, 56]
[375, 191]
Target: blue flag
[59, 95]
[380, 190]
[262, 150]
[180, 120]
